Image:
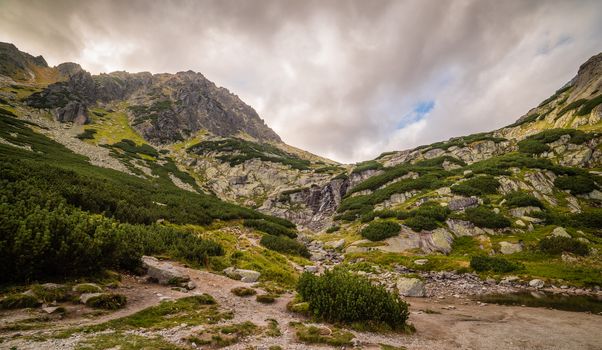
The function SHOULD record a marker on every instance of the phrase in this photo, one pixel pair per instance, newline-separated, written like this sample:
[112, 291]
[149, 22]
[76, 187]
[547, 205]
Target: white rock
[536, 283]
[163, 272]
[560, 232]
[510, 248]
[421, 261]
[411, 287]
[248, 276]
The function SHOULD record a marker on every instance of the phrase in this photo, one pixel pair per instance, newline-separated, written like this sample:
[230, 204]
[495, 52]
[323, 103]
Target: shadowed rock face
[163, 107]
[17, 64]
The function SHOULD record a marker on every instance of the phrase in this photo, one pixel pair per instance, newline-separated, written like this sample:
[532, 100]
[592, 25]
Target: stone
[523, 211]
[560, 232]
[335, 244]
[496, 210]
[411, 287]
[247, 276]
[310, 268]
[163, 272]
[52, 309]
[87, 296]
[520, 223]
[536, 283]
[190, 285]
[421, 261]
[462, 203]
[440, 241]
[463, 228]
[509, 279]
[569, 258]
[510, 248]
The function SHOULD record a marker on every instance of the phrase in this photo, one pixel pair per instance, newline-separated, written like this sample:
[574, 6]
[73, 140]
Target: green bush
[333, 229]
[529, 146]
[587, 107]
[484, 217]
[49, 294]
[18, 301]
[419, 223]
[494, 264]
[431, 210]
[88, 134]
[271, 228]
[476, 186]
[237, 151]
[265, 298]
[108, 301]
[365, 166]
[243, 291]
[333, 337]
[557, 245]
[576, 184]
[379, 230]
[521, 199]
[284, 245]
[339, 296]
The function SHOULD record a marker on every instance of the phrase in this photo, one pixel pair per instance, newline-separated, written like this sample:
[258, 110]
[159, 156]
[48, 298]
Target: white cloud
[334, 77]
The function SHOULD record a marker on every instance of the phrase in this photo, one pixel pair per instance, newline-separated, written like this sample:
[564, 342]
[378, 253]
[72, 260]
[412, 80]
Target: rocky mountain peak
[19, 65]
[164, 107]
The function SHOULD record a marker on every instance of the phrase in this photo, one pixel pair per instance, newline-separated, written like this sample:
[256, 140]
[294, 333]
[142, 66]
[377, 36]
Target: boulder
[52, 309]
[247, 276]
[509, 279]
[536, 283]
[310, 268]
[439, 241]
[411, 287]
[510, 248]
[463, 228]
[560, 232]
[87, 296]
[335, 244]
[462, 203]
[163, 272]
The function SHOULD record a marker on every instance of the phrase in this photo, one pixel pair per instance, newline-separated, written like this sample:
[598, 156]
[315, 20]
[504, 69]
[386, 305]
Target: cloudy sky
[343, 79]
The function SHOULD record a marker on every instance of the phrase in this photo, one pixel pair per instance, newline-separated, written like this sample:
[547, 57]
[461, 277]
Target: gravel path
[449, 323]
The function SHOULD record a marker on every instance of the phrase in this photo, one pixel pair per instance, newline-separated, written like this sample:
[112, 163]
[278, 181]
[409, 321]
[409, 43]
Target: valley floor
[441, 322]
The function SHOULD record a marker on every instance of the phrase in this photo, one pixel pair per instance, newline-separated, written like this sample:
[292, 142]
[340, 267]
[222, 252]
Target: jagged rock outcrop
[21, 66]
[311, 207]
[164, 107]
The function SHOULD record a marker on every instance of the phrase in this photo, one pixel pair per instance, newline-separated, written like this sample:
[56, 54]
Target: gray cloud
[338, 78]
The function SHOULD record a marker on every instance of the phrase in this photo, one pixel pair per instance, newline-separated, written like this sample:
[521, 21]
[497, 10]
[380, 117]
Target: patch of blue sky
[419, 112]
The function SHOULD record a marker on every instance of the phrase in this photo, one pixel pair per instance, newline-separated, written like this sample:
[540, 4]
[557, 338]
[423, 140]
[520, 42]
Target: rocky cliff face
[164, 108]
[21, 66]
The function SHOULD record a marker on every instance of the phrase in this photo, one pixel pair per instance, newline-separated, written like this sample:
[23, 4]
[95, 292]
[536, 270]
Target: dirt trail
[464, 325]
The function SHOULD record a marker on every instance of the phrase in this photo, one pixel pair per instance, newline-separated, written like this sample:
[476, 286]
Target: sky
[347, 80]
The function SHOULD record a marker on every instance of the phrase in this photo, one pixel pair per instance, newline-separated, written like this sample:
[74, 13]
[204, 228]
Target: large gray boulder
[248, 276]
[510, 248]
[462, 203]
[411, 287]
[164, 272]
[463, 228]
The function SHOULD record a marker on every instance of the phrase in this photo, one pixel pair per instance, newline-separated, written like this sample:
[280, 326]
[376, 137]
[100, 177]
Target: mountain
[98, 171]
